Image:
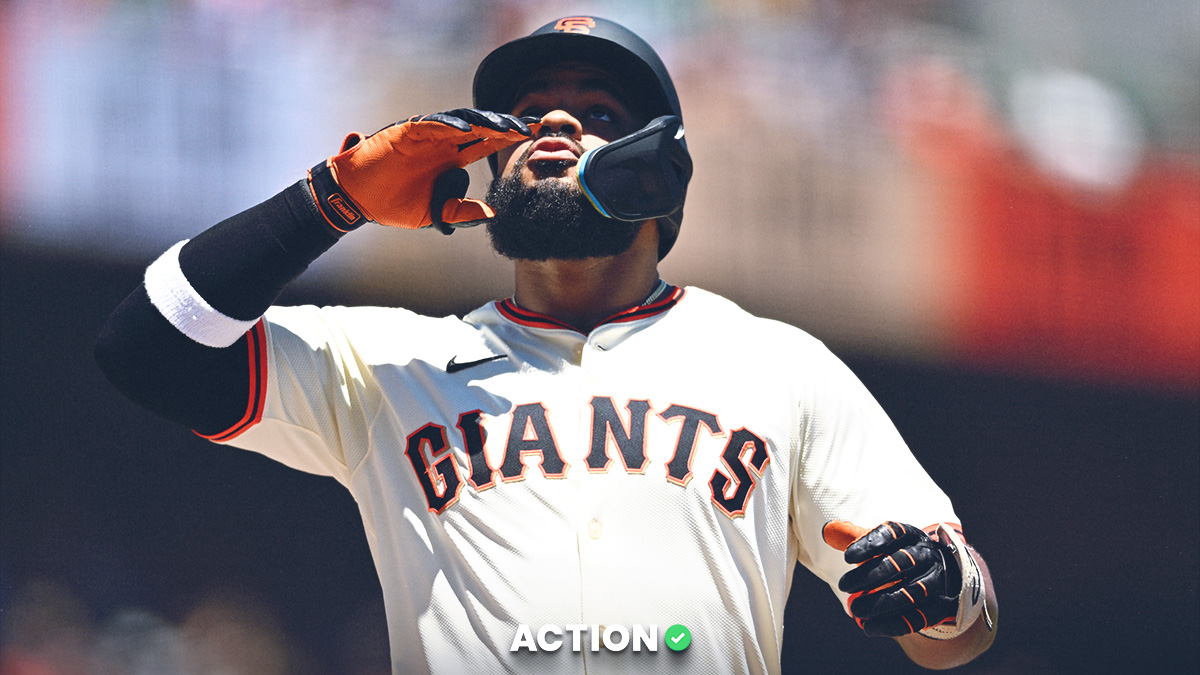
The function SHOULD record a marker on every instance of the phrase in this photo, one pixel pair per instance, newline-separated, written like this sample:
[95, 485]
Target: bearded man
[596, 474]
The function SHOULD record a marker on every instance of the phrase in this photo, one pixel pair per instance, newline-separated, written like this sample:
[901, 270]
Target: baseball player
[602, 473]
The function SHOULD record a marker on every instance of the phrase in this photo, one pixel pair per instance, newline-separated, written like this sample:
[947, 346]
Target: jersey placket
[598, 531]
[590, 524]
[606, 489]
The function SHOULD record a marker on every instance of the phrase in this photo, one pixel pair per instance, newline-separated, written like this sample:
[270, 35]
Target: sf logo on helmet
[575, 24]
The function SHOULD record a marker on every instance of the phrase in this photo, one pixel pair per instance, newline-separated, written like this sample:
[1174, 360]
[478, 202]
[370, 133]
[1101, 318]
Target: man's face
[541, 213]
[582, 103]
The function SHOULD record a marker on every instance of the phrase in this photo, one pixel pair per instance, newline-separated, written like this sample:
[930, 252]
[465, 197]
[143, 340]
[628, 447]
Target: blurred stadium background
[991, 210]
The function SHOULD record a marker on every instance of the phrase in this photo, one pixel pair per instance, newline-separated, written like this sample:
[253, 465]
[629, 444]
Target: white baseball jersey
[669, 468]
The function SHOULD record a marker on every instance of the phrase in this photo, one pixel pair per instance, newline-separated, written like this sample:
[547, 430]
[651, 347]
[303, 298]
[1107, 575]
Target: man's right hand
[389, 177]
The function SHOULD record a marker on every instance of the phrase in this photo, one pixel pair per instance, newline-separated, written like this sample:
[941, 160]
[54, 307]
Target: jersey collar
[664, 297]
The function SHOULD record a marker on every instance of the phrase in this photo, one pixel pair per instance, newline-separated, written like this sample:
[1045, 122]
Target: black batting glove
[903, 581]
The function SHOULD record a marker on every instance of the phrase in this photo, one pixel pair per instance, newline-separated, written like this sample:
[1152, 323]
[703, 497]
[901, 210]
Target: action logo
[614, 638]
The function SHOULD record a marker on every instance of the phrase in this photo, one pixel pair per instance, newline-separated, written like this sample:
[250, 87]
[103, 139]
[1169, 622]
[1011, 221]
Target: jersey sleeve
[853, 465]
[318, 395]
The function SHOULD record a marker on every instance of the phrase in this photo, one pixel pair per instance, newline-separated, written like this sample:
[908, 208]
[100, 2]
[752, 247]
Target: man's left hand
[903, 582]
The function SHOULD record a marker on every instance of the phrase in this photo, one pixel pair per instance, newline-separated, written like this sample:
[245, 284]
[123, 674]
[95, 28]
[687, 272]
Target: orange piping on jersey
[511, 311]
[256, 341]
[643, 311]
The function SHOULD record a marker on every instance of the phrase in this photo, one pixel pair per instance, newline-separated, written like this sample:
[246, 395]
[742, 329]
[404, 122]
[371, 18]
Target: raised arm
[184, 341]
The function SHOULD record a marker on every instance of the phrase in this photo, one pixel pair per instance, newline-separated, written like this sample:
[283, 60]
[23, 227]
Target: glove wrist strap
[972, 593]
[339, 211]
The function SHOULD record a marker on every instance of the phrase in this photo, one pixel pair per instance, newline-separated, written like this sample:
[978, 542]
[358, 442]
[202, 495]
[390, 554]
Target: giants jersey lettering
[670, 467]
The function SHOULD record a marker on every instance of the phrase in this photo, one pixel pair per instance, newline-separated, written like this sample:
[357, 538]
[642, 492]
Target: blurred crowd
[49, 630]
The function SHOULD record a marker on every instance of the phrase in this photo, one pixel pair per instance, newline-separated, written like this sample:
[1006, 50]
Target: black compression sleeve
[239, 266]
[242, 264]
[156, 366]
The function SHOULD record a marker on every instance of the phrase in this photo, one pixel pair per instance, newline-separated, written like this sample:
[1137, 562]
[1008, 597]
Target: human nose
[561, 122]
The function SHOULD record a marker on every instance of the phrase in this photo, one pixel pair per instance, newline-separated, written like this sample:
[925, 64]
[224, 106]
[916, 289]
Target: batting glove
[410, 174]
[905, 582]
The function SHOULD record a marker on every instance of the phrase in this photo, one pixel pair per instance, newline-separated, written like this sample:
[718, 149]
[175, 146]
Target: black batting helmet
[587, 39]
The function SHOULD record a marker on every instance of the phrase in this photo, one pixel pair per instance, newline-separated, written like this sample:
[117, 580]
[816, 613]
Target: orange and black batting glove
[906, 582]
[410, 174]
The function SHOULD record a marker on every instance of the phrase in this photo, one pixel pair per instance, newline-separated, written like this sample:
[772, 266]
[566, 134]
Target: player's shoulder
[777, 350]
[356, 316]
[365, 325]
[728, 319]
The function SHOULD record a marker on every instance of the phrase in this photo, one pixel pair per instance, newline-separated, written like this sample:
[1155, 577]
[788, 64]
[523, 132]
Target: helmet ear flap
[641, 176]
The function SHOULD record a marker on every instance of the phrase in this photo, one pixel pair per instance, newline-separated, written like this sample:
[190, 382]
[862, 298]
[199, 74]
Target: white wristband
[972, 597]
[174, 297]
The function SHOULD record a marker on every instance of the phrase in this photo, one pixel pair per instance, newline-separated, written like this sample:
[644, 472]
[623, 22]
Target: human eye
[601, 113]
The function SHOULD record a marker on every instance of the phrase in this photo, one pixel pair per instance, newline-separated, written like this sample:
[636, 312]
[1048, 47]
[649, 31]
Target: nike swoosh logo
[453, 366]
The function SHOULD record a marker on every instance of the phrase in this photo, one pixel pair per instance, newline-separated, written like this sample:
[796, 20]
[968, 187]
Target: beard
[551, 220]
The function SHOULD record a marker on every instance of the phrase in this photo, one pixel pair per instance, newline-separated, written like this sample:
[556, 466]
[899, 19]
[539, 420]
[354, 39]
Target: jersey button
[595, 529]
